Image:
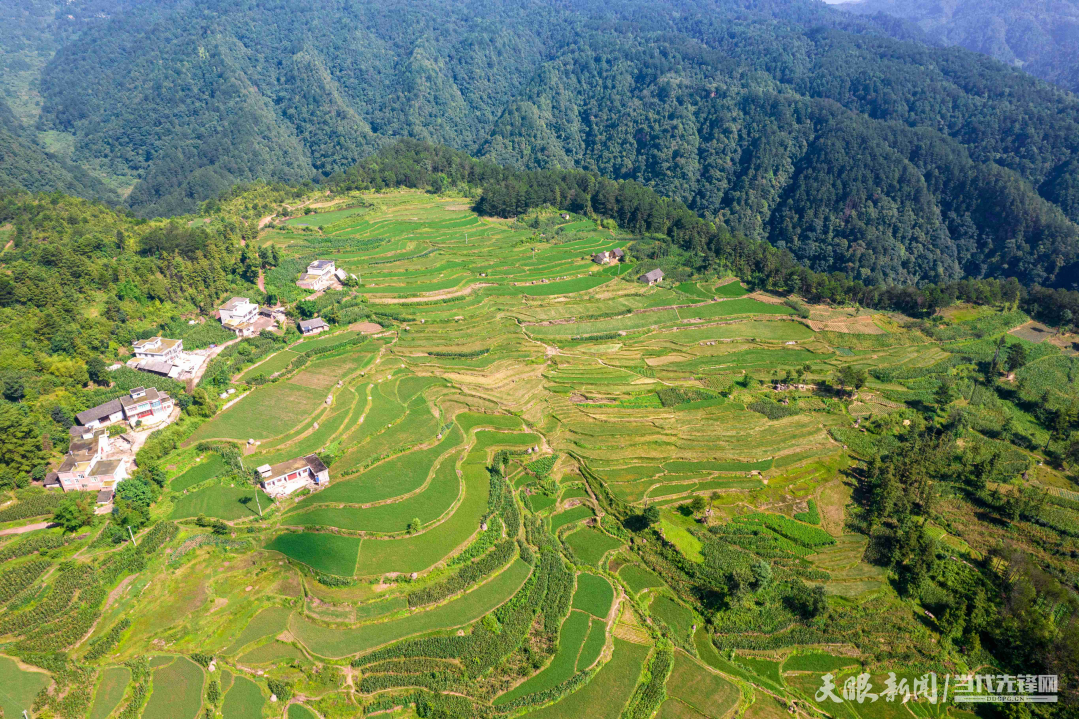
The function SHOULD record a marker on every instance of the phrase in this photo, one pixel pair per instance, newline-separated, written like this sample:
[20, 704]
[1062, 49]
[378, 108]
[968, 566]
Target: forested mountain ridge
[787, 121]
[1039, 36]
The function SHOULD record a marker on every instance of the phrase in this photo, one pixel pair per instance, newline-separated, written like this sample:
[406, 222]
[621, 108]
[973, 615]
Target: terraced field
[532, 467]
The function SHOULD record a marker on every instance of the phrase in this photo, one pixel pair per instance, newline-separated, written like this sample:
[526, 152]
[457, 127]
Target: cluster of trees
[1024, 614]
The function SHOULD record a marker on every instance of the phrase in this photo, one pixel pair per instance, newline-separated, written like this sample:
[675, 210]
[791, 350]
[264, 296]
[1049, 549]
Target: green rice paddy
[212, 466]
[591, 545]
[594, 594]
[243, 700]
[19, 687]
[177, 692]
[562, 667]
[110, 690]
[608, 692]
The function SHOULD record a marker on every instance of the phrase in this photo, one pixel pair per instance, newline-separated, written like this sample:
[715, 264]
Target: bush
[772, 409]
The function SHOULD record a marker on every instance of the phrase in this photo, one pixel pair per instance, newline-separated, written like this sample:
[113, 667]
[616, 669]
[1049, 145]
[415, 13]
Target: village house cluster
[96, 461]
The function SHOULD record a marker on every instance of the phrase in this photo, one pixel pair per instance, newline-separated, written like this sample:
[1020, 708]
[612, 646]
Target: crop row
[811, 515]
[101, 646]
[772, 409]
[804, 534]
[542, 467]
[674, 396]
[467, 576]
[15, 580]
[32, 505]
[493, 638]
[70, 578]
[69, 628]
[133, 559]
[651, 694]
[43, 543]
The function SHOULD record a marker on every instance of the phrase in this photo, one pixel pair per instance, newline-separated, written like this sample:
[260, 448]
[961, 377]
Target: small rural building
[281, 480]
[162, 369]
[277, 314]
[320, 275]
[239, 315]
[651, 278]
[101, 415]
[158, 348]
[313, 327]
[609, 257]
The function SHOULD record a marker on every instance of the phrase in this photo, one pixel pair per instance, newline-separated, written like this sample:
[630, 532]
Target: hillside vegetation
[1036, 35]
[790, 122]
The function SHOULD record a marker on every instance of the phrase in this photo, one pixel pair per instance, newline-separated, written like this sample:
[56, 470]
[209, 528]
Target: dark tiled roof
[653, 276]
[315, 463]
[314, 324]
[100, 412]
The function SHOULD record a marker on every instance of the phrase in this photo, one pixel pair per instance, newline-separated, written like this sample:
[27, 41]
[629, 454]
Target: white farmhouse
[286, 477]
[239, 315]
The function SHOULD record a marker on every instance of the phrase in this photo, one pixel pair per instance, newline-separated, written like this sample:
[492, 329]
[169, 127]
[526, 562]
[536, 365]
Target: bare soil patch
[368, 328]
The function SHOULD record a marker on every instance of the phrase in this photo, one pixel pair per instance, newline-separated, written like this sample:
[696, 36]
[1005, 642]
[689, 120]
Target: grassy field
[267, 623]
[341, 642]
[609, 690]
[591, 545]
[110, 690]
[222, 501]
[594, 594]
[209, 468]
[328, 553]
[19, 687]
[177, 692]
[274, 363]
[243, 700]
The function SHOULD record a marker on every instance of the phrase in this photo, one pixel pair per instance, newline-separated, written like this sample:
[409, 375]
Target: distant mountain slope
[814, 129]
[24, 164]
[1040, 36]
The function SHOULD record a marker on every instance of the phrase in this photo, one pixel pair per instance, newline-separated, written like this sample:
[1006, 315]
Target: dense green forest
[840, 138]
[1036, 35]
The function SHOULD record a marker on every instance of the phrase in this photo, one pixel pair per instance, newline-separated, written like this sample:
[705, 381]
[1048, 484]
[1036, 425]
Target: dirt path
[262, 281]
[436, 295]
[209, 354]
[28, 528]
